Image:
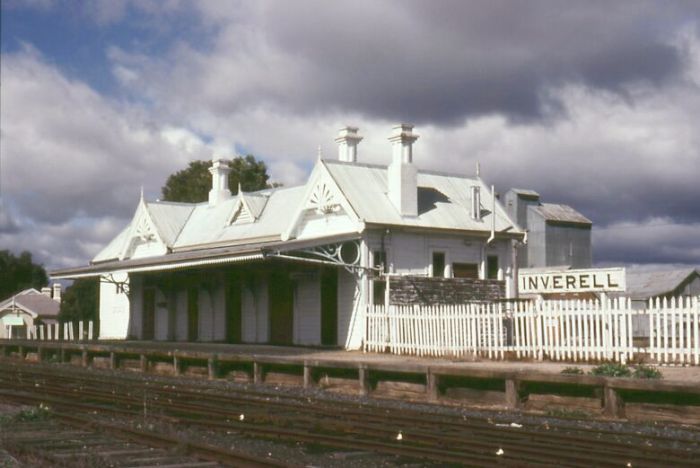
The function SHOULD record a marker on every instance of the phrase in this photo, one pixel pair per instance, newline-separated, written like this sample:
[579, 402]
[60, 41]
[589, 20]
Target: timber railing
[585, 331]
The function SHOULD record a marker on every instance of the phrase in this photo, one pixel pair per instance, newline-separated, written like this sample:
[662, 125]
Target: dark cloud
[415, 60]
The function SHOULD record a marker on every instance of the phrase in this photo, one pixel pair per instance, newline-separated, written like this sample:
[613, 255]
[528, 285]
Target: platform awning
[192, 258]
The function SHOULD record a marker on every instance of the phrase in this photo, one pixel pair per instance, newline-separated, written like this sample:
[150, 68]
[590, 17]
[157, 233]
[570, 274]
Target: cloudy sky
[593, 104]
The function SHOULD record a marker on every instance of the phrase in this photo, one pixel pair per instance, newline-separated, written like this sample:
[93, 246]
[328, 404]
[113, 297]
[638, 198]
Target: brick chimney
[403, 175]
[347, 140]
[219, 171]
[46, 291]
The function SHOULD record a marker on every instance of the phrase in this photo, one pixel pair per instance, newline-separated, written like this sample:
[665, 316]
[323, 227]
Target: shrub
[572, 371]
[612, 370]
[647, 372]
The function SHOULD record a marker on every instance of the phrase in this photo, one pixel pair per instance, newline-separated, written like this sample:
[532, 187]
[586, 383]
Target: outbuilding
[29, 308]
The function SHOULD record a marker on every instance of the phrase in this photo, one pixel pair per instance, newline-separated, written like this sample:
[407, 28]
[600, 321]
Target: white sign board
[590, 280]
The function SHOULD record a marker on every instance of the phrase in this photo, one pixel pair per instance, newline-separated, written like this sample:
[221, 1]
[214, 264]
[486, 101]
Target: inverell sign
[603, 280]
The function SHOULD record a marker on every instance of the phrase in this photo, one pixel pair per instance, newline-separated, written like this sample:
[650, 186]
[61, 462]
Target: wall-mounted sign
[591, 280]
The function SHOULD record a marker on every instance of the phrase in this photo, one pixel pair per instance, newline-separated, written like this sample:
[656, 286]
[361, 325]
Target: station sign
[572, 281]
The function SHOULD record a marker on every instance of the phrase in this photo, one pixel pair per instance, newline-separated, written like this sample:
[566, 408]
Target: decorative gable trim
[241, 214]
[143, 228]
[324, 197]
[248, 208]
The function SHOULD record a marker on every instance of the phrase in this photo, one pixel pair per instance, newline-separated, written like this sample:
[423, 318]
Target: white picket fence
[67, 331]
[585, 331]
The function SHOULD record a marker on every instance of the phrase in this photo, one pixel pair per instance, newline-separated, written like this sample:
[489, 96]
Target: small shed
[650, 283]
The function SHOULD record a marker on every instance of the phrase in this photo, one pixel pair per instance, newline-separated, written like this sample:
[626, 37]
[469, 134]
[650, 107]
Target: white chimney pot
[219, 171]
[347, 140]
[403, 175]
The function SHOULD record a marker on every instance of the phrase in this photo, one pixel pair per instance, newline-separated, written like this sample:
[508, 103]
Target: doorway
[148, 324]
[329, 306]
[281, 295]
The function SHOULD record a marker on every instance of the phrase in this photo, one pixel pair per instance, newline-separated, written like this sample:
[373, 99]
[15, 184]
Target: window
[492, 267]
[465, 270]
[438, 264]
[378, 285]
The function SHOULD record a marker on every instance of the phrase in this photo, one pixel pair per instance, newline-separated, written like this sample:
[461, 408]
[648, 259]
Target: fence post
[81, 331]
[432, 385]
[90, 331]
[71, 330]
[613, 404]
[512, 396]
[363, 377]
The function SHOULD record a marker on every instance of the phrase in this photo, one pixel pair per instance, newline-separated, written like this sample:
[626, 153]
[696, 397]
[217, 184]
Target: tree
[192, 184]
[19, 273]
[79, 302]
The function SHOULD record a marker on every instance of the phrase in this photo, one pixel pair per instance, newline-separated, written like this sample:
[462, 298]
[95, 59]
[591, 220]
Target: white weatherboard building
[298, 265]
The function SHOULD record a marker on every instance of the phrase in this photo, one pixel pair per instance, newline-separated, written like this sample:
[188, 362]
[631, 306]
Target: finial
[478, 170]
[240, 190]
[320, 153]
[141, 199]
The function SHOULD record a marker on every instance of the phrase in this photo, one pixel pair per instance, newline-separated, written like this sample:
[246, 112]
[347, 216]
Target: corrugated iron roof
[34, 302]
[443, 199]
[444, 203]
[645, 283]
[561, 213]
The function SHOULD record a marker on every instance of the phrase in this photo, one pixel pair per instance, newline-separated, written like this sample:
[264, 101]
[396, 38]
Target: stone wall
[409, 290]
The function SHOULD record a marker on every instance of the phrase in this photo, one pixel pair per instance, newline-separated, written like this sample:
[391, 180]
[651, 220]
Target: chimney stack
[219, 171]
[403, 175]
[347, 140]
[46, 291]
[57, 292]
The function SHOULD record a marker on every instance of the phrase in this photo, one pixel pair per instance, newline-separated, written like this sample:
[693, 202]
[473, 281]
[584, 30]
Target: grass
[35, 413]
[612, 370]
[640, 371]
[647, 372]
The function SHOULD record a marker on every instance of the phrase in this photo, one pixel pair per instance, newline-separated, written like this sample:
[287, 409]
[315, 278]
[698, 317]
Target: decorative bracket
[122, 286]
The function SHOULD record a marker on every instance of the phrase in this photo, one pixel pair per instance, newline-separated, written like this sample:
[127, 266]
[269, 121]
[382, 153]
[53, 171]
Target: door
[329, 306]
[281, 295]
[233, 308]
[149, 314]
[192, 314]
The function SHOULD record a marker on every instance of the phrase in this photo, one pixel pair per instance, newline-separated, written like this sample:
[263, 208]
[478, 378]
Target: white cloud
[73, 159]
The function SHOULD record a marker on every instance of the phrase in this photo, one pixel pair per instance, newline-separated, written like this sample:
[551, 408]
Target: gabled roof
[561, 214]
[33, 302]
[169, 218]
[643, 283]
[443, 199]
[272, 214]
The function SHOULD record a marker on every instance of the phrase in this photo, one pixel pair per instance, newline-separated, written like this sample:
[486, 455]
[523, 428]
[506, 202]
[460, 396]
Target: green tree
[79, 302]
[19, 273]
[192, 184]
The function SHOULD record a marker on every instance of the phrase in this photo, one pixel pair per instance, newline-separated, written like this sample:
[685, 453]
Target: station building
[299, 265]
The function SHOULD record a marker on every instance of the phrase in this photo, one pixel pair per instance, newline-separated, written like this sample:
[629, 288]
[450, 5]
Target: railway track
[341, 425]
